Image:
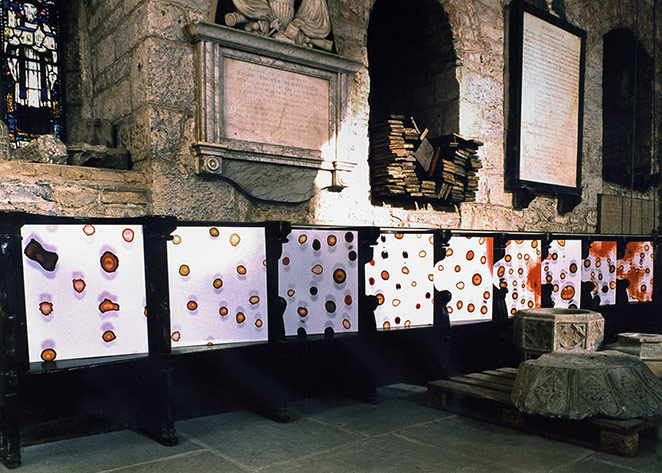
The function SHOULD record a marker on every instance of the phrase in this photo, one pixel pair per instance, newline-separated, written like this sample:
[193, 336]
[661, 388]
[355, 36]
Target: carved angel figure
[309, 25]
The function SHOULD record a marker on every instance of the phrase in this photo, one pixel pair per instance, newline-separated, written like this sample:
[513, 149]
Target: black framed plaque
[545, 105]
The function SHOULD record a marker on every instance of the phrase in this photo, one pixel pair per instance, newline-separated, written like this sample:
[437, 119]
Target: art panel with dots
[519, 271]
[401, 276]
[600, 269]
[318, 278]
[562, 270]
[636, 266]
[218, 285]
[84, 291]
[466, 272]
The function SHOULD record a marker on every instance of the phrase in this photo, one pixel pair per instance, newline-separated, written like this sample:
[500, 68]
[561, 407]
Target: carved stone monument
[647, 346]
[538, 331]
[577, 384]
[272, 117]
[309, 25]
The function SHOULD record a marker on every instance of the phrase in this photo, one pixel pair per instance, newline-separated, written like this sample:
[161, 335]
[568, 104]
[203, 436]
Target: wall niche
[623, 115]
[412, 66]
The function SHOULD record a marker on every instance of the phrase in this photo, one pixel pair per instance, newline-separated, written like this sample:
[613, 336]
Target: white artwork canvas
[218, 285]
[401, 276]
[600, 269]
[84, 291]
[519, 271]
[318, 278]
[562, 269]
[637, 267]
[466, 272]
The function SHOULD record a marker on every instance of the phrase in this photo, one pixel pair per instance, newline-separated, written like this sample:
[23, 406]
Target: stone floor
[331, 434]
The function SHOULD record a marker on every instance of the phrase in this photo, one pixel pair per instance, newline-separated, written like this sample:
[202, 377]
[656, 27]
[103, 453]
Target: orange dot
[234, 239]
[128, 235]
[240, 317]
[303, 238]
[46, 308]
[407, 323]
[477, 279]
[258, 323]
[534, 243]
[483, 259]
[346, 323]
[501, 271]
[218, 283]
[108, 305]
[395, 302]
[405, 270]
[457, 268]
[507, 258]
[483, 310]
[387, 325]
[460, 285]
[339, 276]
[513, 311]
[470, 255]
[184, 270]
[380, 299]
[486, 295]
[48, 354]
[254, 299]
[213, 231]
[191, 305]
[567, 293]
[290, 292]
[431, 277]
[317, 269]
[176, 239]
[176, 336]
[422, 254]
[348, 300]
[385, 275]
[530, 304]
[109, 262]
[302, 311]
[459, 304]
[399, 236]
[89, 230]
[471, 307]
[331, 240]
[449, 251]
[79, 285]
[223, 311]
[108, 336]
[241, 269]
[286, 261]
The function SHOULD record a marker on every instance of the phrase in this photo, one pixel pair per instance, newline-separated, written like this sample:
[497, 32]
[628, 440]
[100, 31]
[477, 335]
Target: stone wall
[133, 66]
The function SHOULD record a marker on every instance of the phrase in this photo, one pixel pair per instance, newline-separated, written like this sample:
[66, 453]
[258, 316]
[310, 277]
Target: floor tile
[498, 445]
[256, 442]
[202, 461]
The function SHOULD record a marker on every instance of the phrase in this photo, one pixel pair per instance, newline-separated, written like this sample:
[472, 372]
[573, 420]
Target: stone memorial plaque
[546, 75]
[268, 105]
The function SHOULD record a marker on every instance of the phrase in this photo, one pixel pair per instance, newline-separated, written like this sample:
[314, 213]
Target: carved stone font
[538, 331]
[576, 384]
[308, 25]
[647, 346]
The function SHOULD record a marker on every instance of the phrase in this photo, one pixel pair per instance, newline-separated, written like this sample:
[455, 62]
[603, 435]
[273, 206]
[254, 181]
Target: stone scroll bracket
[271, 117]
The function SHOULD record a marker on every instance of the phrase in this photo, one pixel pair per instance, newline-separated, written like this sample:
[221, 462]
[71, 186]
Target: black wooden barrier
[153, 388]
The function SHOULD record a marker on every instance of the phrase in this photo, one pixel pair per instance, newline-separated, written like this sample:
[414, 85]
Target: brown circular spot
[349, 237]
[346, 323]
[218, 283]
[567, 293]
[302, 311]
[109, 262]
[352, 255]
[240, 317]
[241, 269]
[348, 300]
[422, 254]
[48, 354]
[483, 259]
[254, 299]
[213, 231]
[184, 270]
[507, 258]
[176, 239]
[286, 261]
[387, 325]
[223, 311]
[385, 275]
[89, 230]
[395, 302]
[486, 295]
[46, 308]
[235, 239]
[405, 270]
[460, 285]
[470, 255]
[339, 276]
[407, 323]
[176, 336]
[128, 235]
[380, 298]
[258, 323]
[317, 269]
[399, 236]
[191, 305]
[290, 292]
[459, 305]
[476, 279]
[483, 310]
[303, 238]
[331, 240]
[108, 336]
[471, 307]
[79, 285]
[316, 245]
[457, 268]
[330, 306]
[449, 251]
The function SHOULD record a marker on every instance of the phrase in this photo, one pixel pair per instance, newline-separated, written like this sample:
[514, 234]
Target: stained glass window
[32, 92]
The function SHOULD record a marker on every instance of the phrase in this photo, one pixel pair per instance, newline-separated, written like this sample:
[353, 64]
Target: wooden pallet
[486, 396]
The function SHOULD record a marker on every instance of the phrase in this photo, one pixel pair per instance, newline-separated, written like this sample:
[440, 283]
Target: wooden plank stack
[455, 167]
[396, 172]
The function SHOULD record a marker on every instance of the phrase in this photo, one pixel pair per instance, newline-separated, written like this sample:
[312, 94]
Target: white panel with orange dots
[519, 271]
[600, 269]
[562, 269]
[466, 272]
[84, 291]
[318, 278]
[218, 285]
[401, 276]
[637, 267]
